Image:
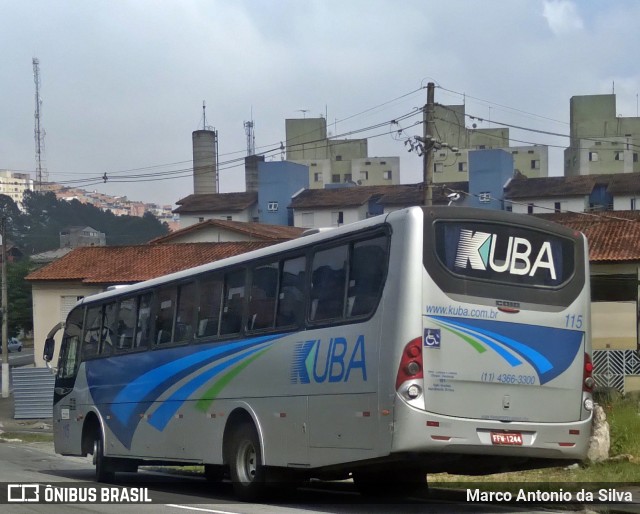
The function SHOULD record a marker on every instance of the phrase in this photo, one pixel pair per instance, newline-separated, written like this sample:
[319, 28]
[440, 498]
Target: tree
[20, 304]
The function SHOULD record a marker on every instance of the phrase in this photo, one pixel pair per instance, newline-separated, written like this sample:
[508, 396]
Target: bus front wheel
[245, 463]
[104, 467]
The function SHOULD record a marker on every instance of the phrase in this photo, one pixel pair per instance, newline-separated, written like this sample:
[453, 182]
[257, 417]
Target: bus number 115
[573, 321]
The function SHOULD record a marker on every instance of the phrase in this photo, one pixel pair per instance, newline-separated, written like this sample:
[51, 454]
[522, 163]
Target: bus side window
[164, 315]
[91, 338]
[185, 313]
[209, 303]
[328, 283]
[366, 275]
[234, 292]
[143, 325]
[69, 350]
[126, 324]
[291, 297]
[109, 328]
[262, 299]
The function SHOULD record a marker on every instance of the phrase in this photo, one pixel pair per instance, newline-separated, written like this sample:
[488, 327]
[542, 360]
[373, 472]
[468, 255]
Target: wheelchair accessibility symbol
[432, 337]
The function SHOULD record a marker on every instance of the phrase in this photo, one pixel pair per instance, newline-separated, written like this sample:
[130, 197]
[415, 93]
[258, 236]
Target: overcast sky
[122, 82]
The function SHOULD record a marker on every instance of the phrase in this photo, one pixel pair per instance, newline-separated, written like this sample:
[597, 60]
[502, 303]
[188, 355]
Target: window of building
[618, 156]
[633, 204]
[335, 178]
[314, 164]
[484, 197]
[598, 143]
[307, 219]
[530, 208]
[367, 163]
[229, 218]
[462, 166]
[514, 152]
[535, 164]
[438, 167]
[443, 154]
[337, 218]
[317, 177]
[508, 208]
[383, 163]
[593, 156]
[338, 157]
[387, 175]
[364, 175]
[530, 151]
[200, 219]
[347, 177]
[557, 206]
[272, 206]
[482, 147]
[635, 157]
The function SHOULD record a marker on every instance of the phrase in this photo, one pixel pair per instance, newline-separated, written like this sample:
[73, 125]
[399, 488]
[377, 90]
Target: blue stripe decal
[126, 386]
[126, 400]
[163, 414]
[549, 350]
[511, 359]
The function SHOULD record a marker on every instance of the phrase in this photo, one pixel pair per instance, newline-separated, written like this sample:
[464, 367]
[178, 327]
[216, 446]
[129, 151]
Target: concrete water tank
[205, 167]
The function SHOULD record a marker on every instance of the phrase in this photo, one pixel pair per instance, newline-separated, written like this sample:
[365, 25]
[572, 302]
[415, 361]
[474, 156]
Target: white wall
[327, 217]
[623, 202]
[546, 206]
[186, 220]
[48, 311]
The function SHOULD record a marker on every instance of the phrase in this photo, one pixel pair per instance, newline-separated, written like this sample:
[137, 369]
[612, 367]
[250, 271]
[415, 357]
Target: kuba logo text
[478, 250]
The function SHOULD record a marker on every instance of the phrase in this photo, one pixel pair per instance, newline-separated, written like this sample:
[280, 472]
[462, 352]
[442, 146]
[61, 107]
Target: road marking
[185, 507]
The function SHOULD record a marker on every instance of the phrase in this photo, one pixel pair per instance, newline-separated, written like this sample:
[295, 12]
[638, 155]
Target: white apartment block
[336, 161]
[602, 142]
[13, 185]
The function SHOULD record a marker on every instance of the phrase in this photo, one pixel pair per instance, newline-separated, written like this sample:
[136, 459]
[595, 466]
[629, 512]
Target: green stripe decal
[212, 393]
[475, 344]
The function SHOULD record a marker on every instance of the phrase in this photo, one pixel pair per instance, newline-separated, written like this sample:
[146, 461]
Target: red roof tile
[216, 202]
[129, 264]
[256, 231]
[613, 236]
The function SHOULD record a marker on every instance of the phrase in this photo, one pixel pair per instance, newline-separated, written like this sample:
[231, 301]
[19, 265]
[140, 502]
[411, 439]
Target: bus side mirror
[49, 347]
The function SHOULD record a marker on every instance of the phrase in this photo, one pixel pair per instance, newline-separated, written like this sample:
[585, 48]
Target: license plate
[506, 438]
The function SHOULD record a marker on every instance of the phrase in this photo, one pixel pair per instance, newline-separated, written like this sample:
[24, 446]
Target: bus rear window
[504, 253]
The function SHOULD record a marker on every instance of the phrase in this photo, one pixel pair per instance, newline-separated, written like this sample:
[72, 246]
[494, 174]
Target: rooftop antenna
[38, 131]
[251, 137]
[304, 112]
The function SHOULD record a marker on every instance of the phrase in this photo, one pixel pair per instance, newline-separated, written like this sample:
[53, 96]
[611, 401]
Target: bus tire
[245, 463]
[104, 466]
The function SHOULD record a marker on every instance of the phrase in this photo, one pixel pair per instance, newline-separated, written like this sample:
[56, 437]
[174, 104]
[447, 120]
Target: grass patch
[25, 437]
[623, 416]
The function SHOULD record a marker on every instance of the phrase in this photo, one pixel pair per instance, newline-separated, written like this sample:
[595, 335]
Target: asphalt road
[37, 464]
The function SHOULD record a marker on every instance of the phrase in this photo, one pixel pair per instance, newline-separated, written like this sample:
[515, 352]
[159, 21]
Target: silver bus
[423, 340]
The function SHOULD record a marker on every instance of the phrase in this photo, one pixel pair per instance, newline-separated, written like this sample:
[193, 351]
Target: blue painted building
[489, 172]
[278, 181]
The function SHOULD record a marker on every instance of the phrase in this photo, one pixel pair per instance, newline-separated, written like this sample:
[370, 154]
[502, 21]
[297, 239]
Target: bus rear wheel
[245, 463]
[104, 465]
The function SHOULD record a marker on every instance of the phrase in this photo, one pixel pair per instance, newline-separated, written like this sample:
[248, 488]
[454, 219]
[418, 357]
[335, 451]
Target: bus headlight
[588, 404]
[413, 391]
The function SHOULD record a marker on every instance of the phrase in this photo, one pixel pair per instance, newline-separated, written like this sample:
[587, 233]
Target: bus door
[66, 440]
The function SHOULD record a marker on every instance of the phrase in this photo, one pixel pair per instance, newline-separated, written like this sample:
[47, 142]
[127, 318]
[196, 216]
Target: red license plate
[506, 438]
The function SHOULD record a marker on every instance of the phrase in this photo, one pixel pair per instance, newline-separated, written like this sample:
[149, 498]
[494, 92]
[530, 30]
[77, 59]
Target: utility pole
[427, 156]
[5, 326]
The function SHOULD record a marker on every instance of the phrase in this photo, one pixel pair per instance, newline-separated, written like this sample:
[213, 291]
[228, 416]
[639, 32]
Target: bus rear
[503, 364]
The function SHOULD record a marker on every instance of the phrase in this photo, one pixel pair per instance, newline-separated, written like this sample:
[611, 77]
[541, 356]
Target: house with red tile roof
[90, 270]
[213, 230]
[197, 208]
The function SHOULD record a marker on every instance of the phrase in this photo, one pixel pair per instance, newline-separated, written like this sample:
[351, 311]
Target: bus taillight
[588, 381]
[410, 363]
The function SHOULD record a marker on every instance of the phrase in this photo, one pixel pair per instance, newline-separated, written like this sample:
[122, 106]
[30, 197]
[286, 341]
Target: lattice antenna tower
[38, 131]
[251, 137]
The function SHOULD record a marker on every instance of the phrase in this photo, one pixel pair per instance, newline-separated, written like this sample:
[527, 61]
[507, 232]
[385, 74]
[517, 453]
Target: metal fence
[32, 393]
[611, 366]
